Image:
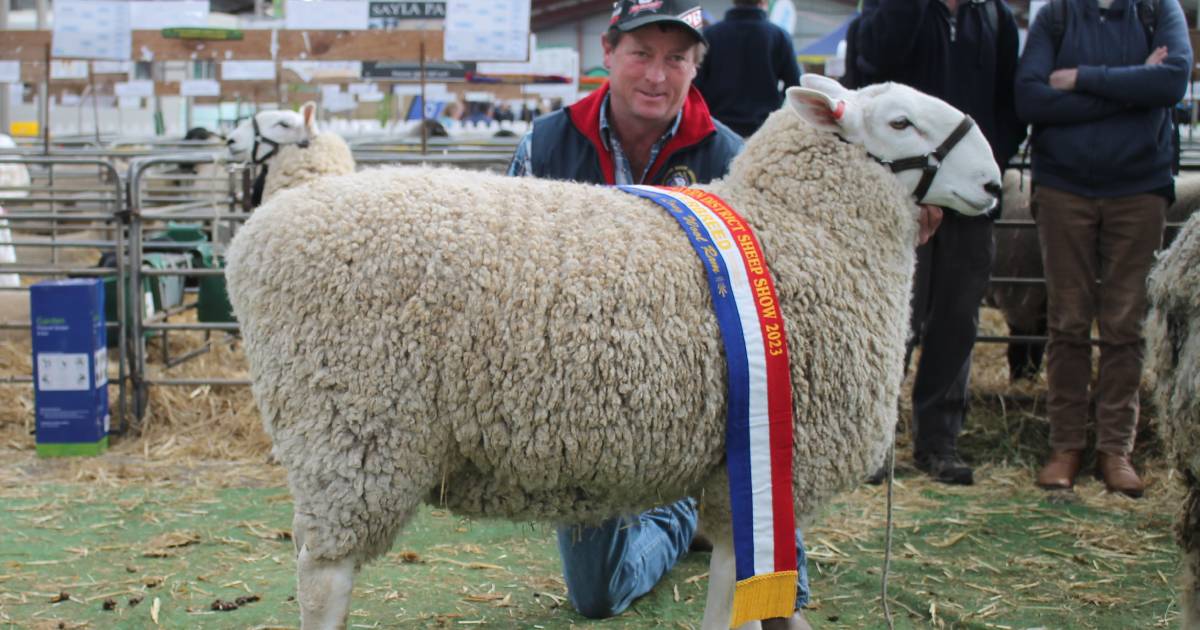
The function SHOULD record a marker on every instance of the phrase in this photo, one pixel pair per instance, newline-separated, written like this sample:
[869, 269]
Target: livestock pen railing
[157, 193]
[72, 208]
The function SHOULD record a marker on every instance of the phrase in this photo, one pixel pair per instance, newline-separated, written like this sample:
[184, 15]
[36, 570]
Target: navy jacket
[1111, 135]
[960, 59]
[747, 58]
[567, 146]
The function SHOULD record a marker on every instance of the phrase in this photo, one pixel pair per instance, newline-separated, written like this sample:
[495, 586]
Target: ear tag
[840, 110]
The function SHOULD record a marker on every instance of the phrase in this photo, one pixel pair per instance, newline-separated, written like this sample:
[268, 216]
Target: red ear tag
[840, 110]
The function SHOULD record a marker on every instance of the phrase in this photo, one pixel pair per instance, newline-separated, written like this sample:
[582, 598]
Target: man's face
[650, 71]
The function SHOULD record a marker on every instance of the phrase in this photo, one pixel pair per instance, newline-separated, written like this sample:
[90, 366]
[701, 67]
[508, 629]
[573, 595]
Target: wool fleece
[547, 351]
[1173, 359]
[326, 154]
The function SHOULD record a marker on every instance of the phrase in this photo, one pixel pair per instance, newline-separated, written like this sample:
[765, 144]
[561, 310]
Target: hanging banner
[394, 15]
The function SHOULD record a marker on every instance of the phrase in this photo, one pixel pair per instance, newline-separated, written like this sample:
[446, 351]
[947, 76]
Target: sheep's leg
[722, 577]
[323, 589]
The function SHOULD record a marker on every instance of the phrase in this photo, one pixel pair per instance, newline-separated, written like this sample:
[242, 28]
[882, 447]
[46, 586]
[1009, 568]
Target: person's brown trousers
[1084, 240]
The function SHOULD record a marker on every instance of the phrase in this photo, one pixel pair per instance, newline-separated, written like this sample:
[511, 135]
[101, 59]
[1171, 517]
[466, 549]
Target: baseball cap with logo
[633, 14]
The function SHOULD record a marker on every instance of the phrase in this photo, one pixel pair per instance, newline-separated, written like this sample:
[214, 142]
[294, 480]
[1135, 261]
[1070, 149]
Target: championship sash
[758, 433]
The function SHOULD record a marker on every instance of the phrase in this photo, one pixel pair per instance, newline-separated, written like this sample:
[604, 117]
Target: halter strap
[259, 138]
[929, 163]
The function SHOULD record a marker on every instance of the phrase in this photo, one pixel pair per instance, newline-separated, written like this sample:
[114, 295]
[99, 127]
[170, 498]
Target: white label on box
[63, 372]
[199, 87]
[101, 367]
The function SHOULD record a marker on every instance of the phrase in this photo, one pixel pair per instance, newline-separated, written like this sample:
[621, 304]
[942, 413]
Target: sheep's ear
[309, 112]
[825, 85]
[819, 109]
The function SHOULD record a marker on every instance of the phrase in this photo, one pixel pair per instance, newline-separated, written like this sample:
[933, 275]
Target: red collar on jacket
[695, 126]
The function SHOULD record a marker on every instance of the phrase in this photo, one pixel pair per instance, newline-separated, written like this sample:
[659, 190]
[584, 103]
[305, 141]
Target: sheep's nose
[229, 142]
[992, 188]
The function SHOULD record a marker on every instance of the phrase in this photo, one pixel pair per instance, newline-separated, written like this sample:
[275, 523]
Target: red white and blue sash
[758, 434]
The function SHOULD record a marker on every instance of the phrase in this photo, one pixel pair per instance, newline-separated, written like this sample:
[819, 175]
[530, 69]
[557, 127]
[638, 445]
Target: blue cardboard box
[70, 366]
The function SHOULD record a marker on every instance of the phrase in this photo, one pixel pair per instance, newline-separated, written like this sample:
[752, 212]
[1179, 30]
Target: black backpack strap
[1058, 23]
[1147, 12]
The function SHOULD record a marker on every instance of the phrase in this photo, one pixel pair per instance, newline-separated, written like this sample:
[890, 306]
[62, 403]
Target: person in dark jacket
[750, 63]
[1100, 101]
[964, 52]
[646, 125]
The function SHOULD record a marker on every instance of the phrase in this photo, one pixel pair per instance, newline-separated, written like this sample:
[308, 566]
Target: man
[1098, 81]
[750, 63]
[964, 52]
[646, 125]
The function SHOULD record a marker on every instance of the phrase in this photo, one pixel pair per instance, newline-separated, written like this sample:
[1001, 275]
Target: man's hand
[1065, 79]
[929, 219]
[1157, 56]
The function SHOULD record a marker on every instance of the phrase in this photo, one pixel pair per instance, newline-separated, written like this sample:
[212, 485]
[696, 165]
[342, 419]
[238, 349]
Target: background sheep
[302, 152]
[1173, 355]
[543, 350]
[1018, 255]
[13, 178]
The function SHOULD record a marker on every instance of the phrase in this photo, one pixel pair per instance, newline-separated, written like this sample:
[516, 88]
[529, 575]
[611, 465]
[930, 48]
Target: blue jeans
[609, 566]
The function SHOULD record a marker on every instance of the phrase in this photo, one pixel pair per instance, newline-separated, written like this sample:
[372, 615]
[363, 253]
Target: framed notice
[10, 71]
[316, 15]
[487, 30]
[248, 70]
[91, 29]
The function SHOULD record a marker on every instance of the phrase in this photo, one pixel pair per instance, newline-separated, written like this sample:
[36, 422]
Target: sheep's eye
[901, 123]
[283, 124]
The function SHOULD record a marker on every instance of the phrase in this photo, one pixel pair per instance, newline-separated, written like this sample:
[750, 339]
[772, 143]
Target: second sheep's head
[936, 152]
[259, 137]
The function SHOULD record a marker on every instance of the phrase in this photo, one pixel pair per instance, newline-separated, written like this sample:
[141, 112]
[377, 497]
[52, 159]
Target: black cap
[632, 14]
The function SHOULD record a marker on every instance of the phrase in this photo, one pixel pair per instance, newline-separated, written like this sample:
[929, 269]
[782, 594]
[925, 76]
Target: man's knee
[599, 604]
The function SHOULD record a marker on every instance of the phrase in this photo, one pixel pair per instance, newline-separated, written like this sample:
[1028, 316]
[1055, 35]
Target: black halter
[259, 138]
[929, 163]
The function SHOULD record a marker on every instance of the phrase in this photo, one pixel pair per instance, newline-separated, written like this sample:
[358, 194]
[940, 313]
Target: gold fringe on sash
[764, 597]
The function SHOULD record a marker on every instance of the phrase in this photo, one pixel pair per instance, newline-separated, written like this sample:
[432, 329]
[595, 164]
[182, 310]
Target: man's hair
[613, 37]
[747, 3]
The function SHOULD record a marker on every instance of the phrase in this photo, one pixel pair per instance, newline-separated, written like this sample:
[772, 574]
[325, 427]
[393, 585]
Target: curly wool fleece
[326, 154]
[1173, 359]
[547, 351]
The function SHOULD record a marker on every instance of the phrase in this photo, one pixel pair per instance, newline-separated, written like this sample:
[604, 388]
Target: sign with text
[96, 29]
[411, 70]
[326, 15]
[391, 15]
[487, 30]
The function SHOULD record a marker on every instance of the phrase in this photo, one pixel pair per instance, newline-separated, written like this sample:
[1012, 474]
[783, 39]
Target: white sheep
[543, 350]
[1173, 356]
[291, 148]
[14, 184]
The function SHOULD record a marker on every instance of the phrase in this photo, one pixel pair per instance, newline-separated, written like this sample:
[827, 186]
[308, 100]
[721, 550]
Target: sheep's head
[258, 138]
[895, 122]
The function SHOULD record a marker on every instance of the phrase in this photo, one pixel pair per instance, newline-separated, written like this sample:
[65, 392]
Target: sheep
[543, 350]
[301, 152]
[14, 184]
[1172, 333]
[1018, 255]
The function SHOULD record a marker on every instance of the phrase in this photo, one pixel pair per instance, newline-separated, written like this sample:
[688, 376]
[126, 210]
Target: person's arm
[888, 30]
[1040, 104]
[1147, 84]
[789, 68]
[520, 166]
[1010, 129]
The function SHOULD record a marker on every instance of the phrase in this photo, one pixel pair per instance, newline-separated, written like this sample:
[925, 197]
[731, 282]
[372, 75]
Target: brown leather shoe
[1060, 470]
[1118, 474]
